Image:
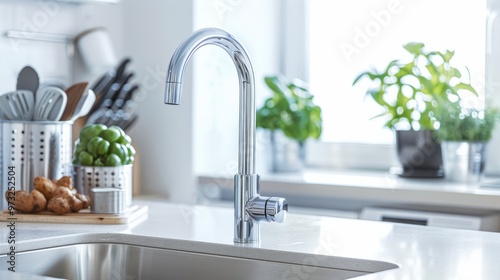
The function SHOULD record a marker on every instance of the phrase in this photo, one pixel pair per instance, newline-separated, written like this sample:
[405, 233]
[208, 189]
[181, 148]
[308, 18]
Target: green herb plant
[457, 123]
[411, 92]
[290, 109]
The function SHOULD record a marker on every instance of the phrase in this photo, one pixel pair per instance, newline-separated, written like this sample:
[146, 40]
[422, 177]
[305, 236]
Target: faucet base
[246, 228]
[250, 208]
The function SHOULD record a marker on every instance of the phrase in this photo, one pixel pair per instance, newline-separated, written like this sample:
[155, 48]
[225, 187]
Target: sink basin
[120, 261]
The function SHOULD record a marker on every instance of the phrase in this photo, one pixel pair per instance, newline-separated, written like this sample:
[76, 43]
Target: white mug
[96, 49]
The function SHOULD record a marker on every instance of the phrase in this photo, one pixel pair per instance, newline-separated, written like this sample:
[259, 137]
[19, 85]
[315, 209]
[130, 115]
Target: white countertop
[378, 187]
[420, 252]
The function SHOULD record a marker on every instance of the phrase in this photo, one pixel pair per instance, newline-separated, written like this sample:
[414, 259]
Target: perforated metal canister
[88, 177]
[31, 149]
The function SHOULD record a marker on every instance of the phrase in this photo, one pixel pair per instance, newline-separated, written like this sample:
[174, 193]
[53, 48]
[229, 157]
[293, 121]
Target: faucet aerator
[173, 93]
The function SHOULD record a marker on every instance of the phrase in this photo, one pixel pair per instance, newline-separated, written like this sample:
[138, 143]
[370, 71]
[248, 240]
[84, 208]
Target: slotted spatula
[50, 103]
[17, 105]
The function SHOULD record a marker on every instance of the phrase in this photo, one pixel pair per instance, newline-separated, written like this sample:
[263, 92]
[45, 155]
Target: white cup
[96, 49]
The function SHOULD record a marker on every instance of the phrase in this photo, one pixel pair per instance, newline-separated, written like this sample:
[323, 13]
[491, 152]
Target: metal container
[107, 200]
[30, 149]
[286, 155]
[88, 177]
[464, 161]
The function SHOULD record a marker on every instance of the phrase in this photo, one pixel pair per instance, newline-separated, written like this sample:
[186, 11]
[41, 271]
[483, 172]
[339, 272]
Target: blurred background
[326, 44]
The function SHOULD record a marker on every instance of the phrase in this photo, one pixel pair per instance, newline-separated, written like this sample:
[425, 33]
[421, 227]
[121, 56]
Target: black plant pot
[419, 154]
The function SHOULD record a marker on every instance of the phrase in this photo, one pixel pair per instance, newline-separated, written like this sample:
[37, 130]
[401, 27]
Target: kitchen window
[327, 43]
[342, 39]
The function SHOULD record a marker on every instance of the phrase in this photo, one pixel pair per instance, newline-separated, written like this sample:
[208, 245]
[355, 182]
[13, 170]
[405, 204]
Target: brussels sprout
[110, 134]
[131, 150]
[92, 145]
[85, 158]
[98, 162]
[90, 131]
[113, 160]
[120, 150]
[102, 147]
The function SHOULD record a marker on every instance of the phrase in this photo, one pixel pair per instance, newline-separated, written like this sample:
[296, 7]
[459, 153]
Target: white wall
[148, 32]
[52, 61]
[163, 134]
[256, 25]
[200, 135]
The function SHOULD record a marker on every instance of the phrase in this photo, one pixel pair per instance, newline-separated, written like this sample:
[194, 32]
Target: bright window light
[349, 37]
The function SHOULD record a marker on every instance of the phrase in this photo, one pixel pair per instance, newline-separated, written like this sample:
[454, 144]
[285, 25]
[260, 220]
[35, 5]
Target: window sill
[353, 190]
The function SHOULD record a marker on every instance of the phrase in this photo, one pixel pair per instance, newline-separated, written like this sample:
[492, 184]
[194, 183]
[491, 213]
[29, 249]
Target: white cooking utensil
[17, 105]
[7, 111]
[50, 104]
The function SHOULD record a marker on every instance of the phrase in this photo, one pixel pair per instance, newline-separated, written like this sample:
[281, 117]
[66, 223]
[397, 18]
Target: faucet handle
[271, 209]
[276, 209]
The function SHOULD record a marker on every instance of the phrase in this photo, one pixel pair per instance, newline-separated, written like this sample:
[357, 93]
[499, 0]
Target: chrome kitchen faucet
[249, 207]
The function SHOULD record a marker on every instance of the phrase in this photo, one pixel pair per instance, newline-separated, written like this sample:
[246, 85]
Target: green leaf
[428, 81]
[276, 84]
[455, 73]
[290, 109]
[467, 87]
[414, 48]
[356, 80]
[448, 55]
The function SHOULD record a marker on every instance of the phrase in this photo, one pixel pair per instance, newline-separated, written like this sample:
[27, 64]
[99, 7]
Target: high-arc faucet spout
[173, 90]
[249, 207]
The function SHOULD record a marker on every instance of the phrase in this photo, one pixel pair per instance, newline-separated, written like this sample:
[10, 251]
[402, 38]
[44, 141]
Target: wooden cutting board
[133, 213]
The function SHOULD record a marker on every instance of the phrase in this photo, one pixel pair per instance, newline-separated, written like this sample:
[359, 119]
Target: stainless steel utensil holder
[88, 177]
[33, 149]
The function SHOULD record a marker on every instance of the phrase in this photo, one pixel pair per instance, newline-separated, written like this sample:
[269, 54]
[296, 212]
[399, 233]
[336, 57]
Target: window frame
[293, 63]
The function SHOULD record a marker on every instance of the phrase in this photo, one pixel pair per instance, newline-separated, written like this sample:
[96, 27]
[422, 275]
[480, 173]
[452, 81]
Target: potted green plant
[291, 111]
[410, 93]
[464, 134]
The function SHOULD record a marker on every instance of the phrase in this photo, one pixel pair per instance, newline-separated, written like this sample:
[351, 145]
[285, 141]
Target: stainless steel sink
[129, 262]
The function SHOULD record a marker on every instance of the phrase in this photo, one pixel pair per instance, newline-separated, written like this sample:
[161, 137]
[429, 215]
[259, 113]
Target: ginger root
[59, 205]
[64, 201]
[29, 202]
[62, 191]
[85, 200]
[75, 204]
[64, 181]
[57, 196]
[45, 186]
